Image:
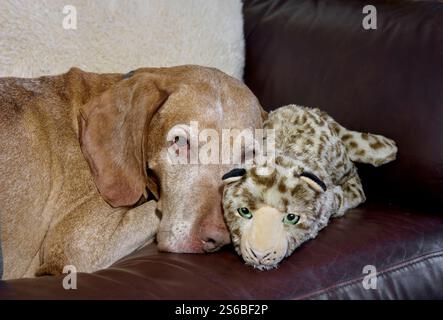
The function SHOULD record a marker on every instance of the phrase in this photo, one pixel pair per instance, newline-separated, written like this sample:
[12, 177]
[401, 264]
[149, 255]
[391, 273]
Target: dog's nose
[214, 234]
[215, 239]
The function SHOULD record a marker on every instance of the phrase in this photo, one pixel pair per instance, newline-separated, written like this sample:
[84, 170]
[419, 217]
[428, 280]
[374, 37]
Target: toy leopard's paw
[369, 148]
[365, 147]
[383, 150]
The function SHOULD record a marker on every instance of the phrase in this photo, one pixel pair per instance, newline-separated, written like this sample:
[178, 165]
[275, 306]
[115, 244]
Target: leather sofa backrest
[387, 81]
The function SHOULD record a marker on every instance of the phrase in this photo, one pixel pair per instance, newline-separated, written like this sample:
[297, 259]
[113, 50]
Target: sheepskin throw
[119, 35]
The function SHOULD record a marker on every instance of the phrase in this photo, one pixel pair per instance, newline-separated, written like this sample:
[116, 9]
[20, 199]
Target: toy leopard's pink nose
[213, 231]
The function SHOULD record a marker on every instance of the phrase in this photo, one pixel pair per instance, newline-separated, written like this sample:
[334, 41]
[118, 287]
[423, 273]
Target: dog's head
[129, 133]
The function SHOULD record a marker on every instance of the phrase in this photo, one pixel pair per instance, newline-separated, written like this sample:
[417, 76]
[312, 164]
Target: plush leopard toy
[270, 211]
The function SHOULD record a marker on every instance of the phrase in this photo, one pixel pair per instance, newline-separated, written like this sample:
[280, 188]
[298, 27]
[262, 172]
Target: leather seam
[383, 273]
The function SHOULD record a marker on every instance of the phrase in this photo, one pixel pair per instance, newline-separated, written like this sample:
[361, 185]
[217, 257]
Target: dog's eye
[291, 218]
[180, 141]
[245, 213]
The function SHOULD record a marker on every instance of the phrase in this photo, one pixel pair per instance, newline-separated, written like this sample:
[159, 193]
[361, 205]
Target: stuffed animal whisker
[272, 212]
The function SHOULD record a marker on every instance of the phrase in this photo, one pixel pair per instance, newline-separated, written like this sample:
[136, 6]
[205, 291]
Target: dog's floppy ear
[233, 175]
[113, 129]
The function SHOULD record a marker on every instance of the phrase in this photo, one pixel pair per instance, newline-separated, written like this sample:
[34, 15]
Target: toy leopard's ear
[233, 175]
[313, 181]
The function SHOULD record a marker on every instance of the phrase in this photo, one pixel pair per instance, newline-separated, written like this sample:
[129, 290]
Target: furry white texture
[120, 35]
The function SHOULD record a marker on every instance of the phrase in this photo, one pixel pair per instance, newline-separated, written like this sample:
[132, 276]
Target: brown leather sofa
[389, 81]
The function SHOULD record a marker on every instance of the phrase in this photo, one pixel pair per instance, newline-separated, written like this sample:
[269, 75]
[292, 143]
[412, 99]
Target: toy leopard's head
[271, 212]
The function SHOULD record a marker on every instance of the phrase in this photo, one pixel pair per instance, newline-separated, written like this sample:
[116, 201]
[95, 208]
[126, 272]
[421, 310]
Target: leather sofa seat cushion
[405, 248]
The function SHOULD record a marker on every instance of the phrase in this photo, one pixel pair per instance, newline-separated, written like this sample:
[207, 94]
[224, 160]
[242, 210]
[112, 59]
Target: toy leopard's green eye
[291, 218]
[245, 213]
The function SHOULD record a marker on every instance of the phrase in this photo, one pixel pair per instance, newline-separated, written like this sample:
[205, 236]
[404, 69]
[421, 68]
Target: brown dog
[80, 152]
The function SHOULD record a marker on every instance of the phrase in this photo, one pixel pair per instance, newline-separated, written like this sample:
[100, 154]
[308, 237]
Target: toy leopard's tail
[366, 147]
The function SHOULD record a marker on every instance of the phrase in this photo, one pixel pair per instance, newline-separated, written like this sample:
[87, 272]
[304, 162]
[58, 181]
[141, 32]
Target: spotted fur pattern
[307, 140]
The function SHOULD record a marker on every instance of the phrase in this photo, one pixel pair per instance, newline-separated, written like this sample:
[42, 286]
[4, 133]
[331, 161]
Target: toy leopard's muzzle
[264, 243]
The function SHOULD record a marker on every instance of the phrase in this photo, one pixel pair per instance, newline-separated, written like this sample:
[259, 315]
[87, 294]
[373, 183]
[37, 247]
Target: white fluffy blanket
[120, 35]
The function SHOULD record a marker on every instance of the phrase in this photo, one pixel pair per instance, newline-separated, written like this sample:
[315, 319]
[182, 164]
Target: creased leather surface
[387, 81]
[390, 238]
[398, 277]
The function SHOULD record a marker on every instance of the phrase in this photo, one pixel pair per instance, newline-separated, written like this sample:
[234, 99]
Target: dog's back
[38, 150]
